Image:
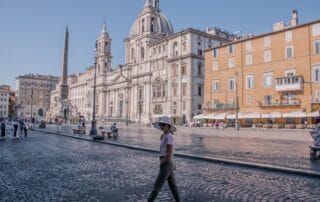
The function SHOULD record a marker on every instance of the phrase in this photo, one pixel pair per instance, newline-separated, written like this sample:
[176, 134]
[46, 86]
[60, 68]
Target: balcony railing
[281, 103]
[315, 100]
[291, 83]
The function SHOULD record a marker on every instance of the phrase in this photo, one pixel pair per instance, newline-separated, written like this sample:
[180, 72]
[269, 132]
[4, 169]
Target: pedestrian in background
[3, 129]
[15, 129]
[167, 165]
[21, 126]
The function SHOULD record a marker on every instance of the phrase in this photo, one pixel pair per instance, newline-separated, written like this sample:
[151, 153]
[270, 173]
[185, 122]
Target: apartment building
[273, 72]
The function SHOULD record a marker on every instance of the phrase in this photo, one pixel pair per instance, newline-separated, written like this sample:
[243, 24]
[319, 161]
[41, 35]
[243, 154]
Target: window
[231, 49]
[153, 91]
[184, 105]
[199, 106]
[142, 25]
[231, 84]
[316, 29]
[200, 90]
[215, 52]
[174, 88]
[200, 52]
[267, 56]
[249, 59]
[249, 81]
[152, 25]
[231, 62]
[289, 51]
[184, 89]
[267, 79]
[140, 94]
[174, 70]
[215, 86]
[316, 73]
[317, 46]
[183, 69]
[175, 49]
[267, 41]
[249, 100]
[267, 99]
[184, 46]
[215, 66]
[142, 53]
[290, 72]
[199, 69]
[174, 111]
[248, 45]
[132, 53]
[158, 89]
[288, 36]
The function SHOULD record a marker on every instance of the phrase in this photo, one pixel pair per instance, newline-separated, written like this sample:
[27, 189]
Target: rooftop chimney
[294, 18]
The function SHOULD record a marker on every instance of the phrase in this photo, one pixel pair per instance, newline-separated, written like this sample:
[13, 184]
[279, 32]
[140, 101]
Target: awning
[297, 114]
[313, 114]
[233, 116]
[221, 116]
[209, 116]
[199, 116]
[254, 115]
[271, 115]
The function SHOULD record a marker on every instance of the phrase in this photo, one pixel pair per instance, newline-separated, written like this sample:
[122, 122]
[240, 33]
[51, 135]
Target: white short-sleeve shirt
[166, 139]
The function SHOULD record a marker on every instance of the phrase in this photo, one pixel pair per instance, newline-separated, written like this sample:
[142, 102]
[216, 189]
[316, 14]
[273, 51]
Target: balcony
[292, 83]
[315, 100]
[282, 103]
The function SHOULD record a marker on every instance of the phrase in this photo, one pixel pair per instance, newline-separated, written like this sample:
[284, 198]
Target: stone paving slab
[227, 144]
[55, 168]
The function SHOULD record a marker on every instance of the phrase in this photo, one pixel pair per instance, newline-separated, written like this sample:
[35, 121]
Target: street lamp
[31, 116]
[237, 103]
[93, 130]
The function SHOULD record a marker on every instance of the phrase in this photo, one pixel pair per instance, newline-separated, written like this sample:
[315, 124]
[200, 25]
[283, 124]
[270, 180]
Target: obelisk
[64, 80]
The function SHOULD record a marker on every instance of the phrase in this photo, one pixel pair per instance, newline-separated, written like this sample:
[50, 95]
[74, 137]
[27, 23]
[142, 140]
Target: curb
[204, 158]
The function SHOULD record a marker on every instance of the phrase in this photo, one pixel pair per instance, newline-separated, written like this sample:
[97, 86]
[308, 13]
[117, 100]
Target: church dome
[151, 20]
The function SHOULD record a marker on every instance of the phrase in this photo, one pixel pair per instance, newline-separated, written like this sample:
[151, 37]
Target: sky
[32, 31]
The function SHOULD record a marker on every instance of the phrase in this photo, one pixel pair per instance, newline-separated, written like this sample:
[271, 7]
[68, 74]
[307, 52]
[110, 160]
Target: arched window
[107, 47]
[175, 49]
[142, 25]
[142, 53]
[159, 88]
[152, 25]
[132, 53]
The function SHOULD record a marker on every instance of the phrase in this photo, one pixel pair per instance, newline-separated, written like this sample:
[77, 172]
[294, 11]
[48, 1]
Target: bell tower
[104, 56]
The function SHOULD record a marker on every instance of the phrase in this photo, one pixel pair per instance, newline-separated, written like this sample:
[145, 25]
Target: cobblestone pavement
[55, 168]
[250, 146]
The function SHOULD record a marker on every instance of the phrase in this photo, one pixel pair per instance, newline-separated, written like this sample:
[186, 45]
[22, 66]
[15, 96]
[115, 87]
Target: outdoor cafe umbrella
[233, 116]
[313, 114]
[271, 115]
[221, 116]
[199, 116]
[297, 114]
[254, 115]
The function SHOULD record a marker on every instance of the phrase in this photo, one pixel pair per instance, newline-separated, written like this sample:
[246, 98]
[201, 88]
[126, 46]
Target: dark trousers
[15, 132]
[25, 132]
[3, 132]
[166, 173]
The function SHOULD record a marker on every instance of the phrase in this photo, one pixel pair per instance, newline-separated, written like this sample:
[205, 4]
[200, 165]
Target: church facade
[163, 72]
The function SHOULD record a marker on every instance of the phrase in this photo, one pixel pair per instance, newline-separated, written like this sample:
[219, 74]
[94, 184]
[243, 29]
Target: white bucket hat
[166, 120]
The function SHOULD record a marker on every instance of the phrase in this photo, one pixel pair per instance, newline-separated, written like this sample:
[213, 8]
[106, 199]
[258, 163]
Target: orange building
[274, 72]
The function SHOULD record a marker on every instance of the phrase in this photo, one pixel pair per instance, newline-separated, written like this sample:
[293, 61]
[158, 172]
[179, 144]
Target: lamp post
[31, 115]
[93, 130]
[237, 103]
